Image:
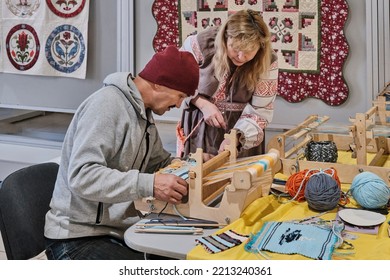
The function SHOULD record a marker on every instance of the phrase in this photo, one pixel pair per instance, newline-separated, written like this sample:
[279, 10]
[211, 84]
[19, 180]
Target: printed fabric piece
[44, 37]
[220, 242]
[292, 238]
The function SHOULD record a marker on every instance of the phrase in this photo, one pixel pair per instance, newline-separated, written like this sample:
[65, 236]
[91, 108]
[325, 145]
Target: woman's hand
[211, 114]
[226, 142]
[223, 145]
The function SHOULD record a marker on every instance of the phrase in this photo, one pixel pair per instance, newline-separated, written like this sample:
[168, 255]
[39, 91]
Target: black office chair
[24, 200]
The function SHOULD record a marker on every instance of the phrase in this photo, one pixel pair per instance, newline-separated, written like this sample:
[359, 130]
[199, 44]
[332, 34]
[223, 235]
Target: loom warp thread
[369, 190]
[321, 151]
[322, 192]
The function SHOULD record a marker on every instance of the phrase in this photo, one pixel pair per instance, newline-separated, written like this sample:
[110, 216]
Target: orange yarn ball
[296, 183]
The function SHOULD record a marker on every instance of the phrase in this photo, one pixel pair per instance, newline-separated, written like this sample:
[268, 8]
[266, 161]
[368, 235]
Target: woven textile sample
[221, 242]
[293, 238]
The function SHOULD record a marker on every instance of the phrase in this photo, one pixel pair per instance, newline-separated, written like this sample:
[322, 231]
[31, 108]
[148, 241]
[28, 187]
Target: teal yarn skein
[369, 190]
[322, 192]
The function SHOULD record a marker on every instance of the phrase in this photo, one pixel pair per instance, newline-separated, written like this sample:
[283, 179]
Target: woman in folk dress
[237, 86]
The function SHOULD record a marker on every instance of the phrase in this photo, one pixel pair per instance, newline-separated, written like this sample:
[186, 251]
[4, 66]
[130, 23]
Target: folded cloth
[308, 240]
[220, 242]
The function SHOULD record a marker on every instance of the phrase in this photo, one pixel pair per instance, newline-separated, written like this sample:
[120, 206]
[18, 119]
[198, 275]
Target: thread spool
[321, 151]
[369, 190]
[322, 192]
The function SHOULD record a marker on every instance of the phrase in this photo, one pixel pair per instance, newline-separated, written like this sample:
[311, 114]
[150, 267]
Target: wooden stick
[371, 112]
[215, 162]
[155, 230]
[377, 157]
[297, 147]
[301, 126]
[309, 128]
[181, 225]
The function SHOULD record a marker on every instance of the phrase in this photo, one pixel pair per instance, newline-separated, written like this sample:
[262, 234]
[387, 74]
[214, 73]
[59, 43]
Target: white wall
[57, 94]
[286, 113]
[16, 156]
[65, 94]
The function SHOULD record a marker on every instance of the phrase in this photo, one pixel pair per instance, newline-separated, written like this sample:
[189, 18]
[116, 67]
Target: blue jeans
[90, 248]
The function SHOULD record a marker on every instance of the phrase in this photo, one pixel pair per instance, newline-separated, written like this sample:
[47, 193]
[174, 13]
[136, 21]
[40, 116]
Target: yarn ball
[296, 183]
[369, 190]
[321, 151]
[322, 192]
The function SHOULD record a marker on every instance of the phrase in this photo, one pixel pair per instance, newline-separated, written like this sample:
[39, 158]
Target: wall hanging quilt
[44, 37]
[307, 35]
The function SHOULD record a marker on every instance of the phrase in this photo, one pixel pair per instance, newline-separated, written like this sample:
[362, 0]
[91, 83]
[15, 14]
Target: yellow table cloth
[270, 208]
[366, 246]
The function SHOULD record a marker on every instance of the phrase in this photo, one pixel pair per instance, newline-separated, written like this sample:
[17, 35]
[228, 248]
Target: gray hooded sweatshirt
[109, 155]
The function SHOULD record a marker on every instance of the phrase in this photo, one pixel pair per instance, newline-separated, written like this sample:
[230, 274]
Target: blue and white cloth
[308, 240]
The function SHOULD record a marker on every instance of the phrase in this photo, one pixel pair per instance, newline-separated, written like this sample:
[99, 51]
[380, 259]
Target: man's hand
[169, 188]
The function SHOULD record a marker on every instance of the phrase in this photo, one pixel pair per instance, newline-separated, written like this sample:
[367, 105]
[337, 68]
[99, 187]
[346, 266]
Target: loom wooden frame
[237, 191]
[360, 139]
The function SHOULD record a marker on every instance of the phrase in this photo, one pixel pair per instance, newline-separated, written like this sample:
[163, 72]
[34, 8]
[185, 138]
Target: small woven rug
[292, 238]
[220, 242]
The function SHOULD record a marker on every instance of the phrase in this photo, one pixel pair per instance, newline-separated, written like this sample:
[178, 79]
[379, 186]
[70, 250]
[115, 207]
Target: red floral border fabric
[326, 84]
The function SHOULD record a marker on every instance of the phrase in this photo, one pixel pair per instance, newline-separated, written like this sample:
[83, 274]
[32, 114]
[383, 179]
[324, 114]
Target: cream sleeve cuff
[250, 134]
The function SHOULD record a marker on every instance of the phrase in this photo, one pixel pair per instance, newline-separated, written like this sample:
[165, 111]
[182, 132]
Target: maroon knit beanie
[173, 69]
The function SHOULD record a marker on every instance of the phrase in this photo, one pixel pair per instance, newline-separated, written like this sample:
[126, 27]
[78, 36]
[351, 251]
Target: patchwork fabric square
[292, 238]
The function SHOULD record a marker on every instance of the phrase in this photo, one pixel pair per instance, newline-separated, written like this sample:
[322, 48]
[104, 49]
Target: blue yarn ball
[369, 190]
[322, 192]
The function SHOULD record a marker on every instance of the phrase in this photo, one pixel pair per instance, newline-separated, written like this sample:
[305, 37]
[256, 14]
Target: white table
[169, 245]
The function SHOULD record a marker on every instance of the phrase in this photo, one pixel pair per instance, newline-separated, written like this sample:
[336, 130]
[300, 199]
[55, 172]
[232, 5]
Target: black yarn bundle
[322, 151]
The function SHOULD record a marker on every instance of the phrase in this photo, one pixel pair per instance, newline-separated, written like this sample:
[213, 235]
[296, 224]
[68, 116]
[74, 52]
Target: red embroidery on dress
[262, 123]
[196, 49]
[274, 65]
[266, 88]
[220, 94]
[229, 106]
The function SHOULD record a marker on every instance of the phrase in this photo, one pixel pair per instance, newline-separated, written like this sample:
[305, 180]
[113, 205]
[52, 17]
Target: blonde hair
[248, 32]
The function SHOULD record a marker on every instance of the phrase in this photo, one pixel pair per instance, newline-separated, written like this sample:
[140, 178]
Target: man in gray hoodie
[110, 156]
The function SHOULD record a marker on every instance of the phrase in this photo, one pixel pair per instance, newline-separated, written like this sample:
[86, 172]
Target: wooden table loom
[221, 188]
[356, 137]
[371, 132]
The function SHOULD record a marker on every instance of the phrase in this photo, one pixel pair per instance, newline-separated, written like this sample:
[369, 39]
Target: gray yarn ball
[322, 192]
